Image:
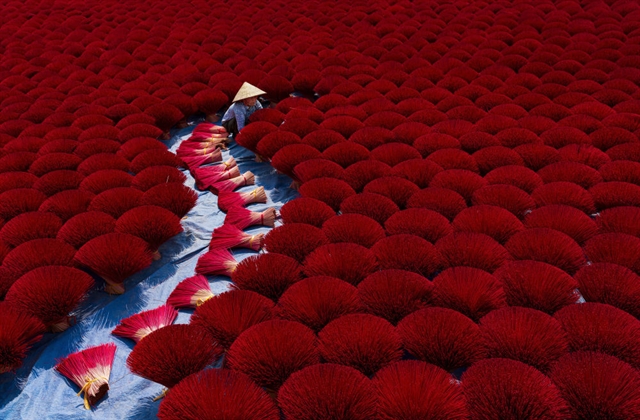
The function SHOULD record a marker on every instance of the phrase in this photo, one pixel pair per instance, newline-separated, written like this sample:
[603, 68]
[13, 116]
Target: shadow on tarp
[38, 392]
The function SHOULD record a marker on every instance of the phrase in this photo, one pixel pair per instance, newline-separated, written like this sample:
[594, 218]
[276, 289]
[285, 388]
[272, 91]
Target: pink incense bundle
[196, 148]
[229, 236]
[195, 160]
[216, 262]
[190, 293]
[210, 128]
[232, 184]
[90, 370]
[138, 326]
[242, 218]
[209, 175]
[228, 199]
[209, 137]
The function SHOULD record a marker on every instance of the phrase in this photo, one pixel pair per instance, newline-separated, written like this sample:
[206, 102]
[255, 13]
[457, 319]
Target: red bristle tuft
[432, 142]
[153, 157]
[518, 176]
[616, 248]
[322, 139]
[295, 240]
[300, 125]
[449, 159]
[421, 222]
[442, 200]
[211, 393]
[89, 148]
[317, 168]
[174, 197]
[53, 182]
[67, 204]
[508, 197]
[361, 341]
[154, 175]
[106, 179]
[90, 370]
[621, 171]
[565, 219]
[375, 206]
[348, 262]
[566, 193]
[50, 293]
[209, 101]
[170, 354]
[138, 326]
[28, 226]
[17, 161]
[462, 181]
[19, 200]
[407, 252]
[271, 351]
[597, 385]
[229, 236]
[414, 389]
[316, 301]
[361, 173]
[306, 210]
[537, 156]
[472, 250]
[537, 285]
[166, 115]
[470, 291]
[271, 143]
[611, 284]
[494, 157]
[227, 315]
[492, 221]
[585, 154]
[442, 337]
[602, 328]
[217, 262]
[269, 115]
[114, 257]
[190, 292]
[614, 194]
[134, 147]
[328, 390]
[18, 332]
[372, 137]
[152, 223]
[577, 173]
[13, 180]
[496, 386]
[287, 158]
[116, 201]
[399, 190]
[523, 334]
[533, 244]
[268, 274]
[83, 227]
[354, 228]
[54, 162]
[394, 153]
[393, 294]
[418, 171]
[253, 133]
[101, 162]
[328, 190]
[228, 199]
[346, 154]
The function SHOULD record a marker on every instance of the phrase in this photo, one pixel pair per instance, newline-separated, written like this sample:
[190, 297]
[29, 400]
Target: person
[244, 104]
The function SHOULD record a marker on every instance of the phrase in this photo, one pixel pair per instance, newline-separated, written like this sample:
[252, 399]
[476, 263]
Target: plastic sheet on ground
[38, 392]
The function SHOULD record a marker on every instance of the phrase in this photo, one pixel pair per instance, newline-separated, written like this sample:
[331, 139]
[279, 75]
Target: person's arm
[241, 114]
[258, 105]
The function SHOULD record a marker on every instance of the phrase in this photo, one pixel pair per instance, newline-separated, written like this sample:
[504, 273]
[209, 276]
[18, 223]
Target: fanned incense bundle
[90, 370]
[228, 199]
[18, 332]
[216, 262]
[242, 218]
[190, 293]
[229, 236]
[138, 326]
[209, 175]
[234, 183]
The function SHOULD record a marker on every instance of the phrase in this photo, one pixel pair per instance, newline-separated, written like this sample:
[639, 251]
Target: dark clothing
[231, 126]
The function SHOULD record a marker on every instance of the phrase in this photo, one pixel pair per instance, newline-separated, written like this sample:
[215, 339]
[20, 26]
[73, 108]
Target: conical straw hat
[247, 90]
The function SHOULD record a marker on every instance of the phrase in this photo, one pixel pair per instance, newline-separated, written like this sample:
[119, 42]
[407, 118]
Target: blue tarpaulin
[38, 392]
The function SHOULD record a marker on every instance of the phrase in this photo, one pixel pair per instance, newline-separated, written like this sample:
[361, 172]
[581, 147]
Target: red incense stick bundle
[216, 262]
[193, 161]
[190, 293]
[228, 199]
[234, 183]
[138, 326]
[18, 332]
[229, 236]
[209, 128]
[209, 175]
[242, 218]
[90, 370]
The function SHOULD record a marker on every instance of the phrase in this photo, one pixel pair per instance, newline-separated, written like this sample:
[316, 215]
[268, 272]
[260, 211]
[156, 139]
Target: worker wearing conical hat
[244, 104]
